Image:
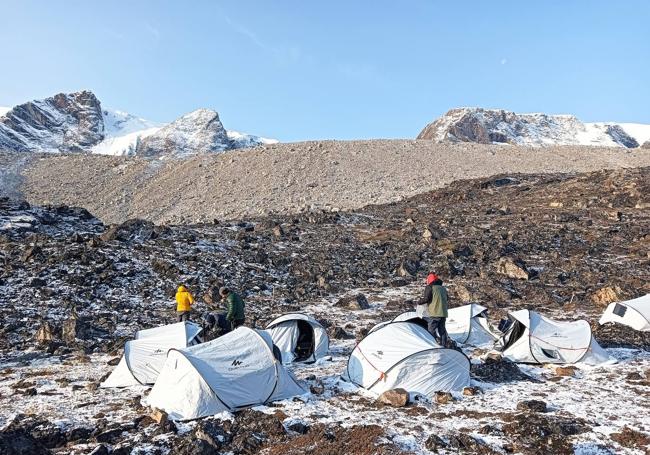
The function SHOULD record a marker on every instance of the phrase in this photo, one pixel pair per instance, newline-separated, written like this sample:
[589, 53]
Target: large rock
[19, 442]
[353, 302]
[512, 268]
[395, 397]
[605, 296]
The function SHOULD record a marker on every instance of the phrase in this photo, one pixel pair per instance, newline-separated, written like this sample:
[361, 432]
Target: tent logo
[236, 363]
[378, 354]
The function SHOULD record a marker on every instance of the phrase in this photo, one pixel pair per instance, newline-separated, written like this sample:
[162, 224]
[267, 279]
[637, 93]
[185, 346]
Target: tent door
[514, 332]
[306, 341]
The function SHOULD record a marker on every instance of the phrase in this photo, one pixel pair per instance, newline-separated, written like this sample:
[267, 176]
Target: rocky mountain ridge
[76, 123]
[497, 126]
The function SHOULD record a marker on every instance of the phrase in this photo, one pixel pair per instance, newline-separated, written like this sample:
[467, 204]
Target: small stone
[317, 389]
[299, 427]
[443, 397]
[158, 416]
[434, 443]
[114, 361]
[396, 397]
[565, 370]
[471, 391]
[532, 405]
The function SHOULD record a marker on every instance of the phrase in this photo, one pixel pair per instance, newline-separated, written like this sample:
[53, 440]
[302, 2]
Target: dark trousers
[236, 323]
[436, 327]
[183, 316]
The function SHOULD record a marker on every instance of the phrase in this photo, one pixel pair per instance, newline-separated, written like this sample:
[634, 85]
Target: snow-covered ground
[605, 397]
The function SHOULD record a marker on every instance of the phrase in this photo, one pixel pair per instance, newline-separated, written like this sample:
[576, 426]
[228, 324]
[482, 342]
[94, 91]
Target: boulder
[605, 296]
[354, 302]
[512, 268]
[395, 397]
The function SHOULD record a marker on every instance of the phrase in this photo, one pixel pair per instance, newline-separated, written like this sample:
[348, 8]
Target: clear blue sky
[298, 70]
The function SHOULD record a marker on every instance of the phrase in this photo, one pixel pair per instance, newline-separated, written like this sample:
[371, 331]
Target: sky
[301, 70]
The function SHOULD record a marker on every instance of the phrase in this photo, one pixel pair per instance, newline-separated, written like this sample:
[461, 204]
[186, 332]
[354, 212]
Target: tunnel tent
[633, 313]
[235, 371]
[533, 338]
[299, 337]
[145, 355]
[405, 355]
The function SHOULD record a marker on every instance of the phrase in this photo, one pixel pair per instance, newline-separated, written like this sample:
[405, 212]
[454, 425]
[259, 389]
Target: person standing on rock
[235, 315]
[435, 313]
[184, 301]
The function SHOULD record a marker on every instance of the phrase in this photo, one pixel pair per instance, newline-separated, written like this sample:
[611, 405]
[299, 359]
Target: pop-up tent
[237, 370]
[634, 313]
[300, 338]
[403, 354]
[533, 338]
[144, 357]
[467, 324]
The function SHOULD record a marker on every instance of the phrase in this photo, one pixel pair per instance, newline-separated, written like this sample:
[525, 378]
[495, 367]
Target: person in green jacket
[235, 315]
[435, 297]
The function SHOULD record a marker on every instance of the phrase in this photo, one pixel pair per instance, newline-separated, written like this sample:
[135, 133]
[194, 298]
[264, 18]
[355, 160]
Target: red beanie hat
[431, 278]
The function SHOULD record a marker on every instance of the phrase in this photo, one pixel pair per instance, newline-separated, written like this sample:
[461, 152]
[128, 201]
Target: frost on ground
[585, 411]
[73, 290]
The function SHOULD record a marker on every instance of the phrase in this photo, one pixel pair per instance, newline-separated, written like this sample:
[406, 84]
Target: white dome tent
[533, 338]
[634, 313]
[144, 357]
[300, 338]
[467, 324]
[237, 370]
[402, 354]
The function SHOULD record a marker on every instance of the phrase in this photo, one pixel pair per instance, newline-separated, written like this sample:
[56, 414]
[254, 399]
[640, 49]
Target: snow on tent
[402, 354]
[634, 313]
[533, 338]
[237, 370]
[144, 357]
[467, 324]
[300, 338]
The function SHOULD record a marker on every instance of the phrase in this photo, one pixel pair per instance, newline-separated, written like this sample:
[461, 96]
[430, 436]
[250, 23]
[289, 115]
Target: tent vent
[550, 354]
[619, 310]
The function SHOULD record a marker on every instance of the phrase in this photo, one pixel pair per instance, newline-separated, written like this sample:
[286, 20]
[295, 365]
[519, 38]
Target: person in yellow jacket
[184, 301]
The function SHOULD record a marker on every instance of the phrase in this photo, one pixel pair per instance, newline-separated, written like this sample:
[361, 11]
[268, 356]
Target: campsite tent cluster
[247, 367]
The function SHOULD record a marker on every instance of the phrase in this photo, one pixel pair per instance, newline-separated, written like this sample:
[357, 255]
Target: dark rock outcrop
[64, 122]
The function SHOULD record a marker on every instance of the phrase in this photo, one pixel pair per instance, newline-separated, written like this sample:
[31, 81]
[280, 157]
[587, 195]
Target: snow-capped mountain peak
[76, 123]
[472, 124]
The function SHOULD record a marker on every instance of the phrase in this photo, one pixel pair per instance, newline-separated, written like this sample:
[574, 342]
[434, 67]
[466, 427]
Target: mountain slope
[76, 122]
[64, 122]
[489, 126]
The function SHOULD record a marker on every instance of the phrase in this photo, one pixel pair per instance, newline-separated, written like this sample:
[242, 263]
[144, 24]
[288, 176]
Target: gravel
[287, 178]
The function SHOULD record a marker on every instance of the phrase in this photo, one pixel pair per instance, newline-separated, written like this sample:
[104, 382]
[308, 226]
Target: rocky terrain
[76, 123]
[497, 126]
[563, 244]
[283, 178]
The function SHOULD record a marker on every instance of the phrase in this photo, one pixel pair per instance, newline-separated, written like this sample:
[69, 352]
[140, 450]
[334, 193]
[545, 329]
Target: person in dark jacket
[435, 297]
[235, 314]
